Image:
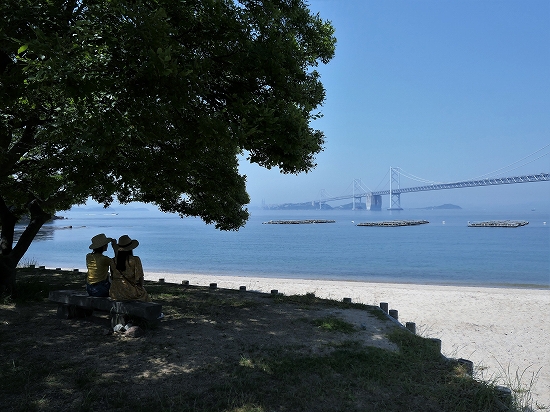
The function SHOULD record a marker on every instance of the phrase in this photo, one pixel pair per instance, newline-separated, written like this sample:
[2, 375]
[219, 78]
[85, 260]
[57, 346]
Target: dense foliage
[152, 101]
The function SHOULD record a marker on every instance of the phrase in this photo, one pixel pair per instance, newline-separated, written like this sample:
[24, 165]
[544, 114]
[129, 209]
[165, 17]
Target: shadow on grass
[218, 351]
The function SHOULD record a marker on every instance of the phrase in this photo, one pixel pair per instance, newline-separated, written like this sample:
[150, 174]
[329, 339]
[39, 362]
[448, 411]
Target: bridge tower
[322, 196]
[395, 198]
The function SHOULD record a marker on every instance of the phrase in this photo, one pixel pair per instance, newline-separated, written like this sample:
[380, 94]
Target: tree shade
[152, 101]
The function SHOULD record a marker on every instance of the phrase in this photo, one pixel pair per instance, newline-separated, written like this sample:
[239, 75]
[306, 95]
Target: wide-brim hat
[100, 241]
[125, 243]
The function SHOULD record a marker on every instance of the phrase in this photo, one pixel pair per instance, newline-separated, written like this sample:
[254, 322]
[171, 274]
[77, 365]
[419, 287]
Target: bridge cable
[347, 188]
[511, 164]
[324, 193]
[540, 157]
[360, 185]
[416, 178]
[376, 188]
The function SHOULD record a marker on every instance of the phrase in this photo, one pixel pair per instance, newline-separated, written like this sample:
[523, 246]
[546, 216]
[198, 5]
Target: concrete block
[468, 365]
[145, 310]
[77, 304]
[436, 344]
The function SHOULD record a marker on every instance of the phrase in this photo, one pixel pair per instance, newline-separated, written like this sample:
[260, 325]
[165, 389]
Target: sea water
[444, 251]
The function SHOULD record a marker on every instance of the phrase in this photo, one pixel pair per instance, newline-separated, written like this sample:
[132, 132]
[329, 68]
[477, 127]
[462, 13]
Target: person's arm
[112, 266]
[139, 271]
[115, 246]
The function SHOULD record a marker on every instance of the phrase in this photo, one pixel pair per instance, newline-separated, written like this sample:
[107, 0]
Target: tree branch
[37, 219]
[21, 147]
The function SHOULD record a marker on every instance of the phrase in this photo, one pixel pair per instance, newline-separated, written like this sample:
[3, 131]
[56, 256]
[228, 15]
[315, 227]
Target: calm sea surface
[445, 251]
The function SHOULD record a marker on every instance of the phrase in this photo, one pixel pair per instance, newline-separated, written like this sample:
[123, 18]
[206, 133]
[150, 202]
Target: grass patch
[334, 324]
[56, 370]
[310, 300]
[349, 379]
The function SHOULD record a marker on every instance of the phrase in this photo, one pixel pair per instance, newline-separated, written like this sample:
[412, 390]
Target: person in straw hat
[97, 278]
[127, 272]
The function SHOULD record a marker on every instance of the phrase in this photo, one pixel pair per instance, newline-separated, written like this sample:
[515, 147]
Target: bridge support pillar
[373, 202]
[395, 199]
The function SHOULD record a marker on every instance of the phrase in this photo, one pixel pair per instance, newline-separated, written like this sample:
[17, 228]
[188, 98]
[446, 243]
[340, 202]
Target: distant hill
[101, 209]
[445, 206]
[347, 206]
[313, 206]
[298, 206]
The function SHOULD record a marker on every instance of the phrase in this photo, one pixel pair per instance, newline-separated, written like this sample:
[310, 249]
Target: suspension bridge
[373, 199]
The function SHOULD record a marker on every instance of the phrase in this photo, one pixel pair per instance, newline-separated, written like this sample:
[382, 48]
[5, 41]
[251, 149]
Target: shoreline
[156, 274]
[502, 330]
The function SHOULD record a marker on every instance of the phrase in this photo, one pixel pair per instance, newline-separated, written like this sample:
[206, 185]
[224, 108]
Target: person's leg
[100, 289]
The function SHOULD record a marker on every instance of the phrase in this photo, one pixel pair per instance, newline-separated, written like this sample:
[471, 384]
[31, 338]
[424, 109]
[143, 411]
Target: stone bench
[74, 304]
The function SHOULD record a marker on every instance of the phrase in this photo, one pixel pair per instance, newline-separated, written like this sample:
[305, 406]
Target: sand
[504, 331]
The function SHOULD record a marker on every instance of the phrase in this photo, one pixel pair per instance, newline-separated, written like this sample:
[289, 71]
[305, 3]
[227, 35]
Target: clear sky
[445, 90]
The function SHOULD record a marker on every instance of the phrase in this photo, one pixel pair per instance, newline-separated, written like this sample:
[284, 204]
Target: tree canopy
[152, 101]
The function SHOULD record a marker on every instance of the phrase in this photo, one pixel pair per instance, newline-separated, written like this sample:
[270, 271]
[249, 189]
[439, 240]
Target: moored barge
[499, 223]
[394, 223]
[297, 222]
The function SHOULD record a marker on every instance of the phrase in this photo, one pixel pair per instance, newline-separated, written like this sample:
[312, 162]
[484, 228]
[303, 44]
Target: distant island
[101, 209]
[445, 206]
[312, 206]
[298, 206]
[348, 206]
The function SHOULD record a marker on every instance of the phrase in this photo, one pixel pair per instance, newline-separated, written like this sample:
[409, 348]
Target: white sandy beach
[502, 330]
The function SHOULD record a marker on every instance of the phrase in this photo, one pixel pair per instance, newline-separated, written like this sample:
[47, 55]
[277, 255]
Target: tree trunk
[7, 275]
[10, 255]
[7, 264]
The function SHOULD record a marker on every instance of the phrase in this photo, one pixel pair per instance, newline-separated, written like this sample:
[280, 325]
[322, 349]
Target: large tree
[151, 101]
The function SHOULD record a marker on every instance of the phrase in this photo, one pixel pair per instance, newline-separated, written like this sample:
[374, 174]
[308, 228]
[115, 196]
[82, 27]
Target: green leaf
[22, 48]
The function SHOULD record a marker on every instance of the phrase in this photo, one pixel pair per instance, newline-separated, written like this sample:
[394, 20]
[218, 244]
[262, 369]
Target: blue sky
[445, 90]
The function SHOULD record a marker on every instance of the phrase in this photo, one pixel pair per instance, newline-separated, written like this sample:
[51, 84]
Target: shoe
[119, 328]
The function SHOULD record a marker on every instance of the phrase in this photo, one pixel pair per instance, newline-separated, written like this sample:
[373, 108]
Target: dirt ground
[49, 360]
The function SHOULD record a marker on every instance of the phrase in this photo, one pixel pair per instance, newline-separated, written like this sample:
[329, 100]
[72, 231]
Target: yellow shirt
[98, 267]
[128, 285]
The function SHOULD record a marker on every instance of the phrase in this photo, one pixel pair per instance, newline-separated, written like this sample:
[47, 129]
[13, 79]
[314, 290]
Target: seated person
[97, 279]
[127, 272]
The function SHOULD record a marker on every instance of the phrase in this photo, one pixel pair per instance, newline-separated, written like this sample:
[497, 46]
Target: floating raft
[393, 223]
[499, 223]
[297, 222]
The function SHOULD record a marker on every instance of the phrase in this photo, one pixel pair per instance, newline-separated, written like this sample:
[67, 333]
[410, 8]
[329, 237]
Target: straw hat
[125, 243]
[100, 241]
